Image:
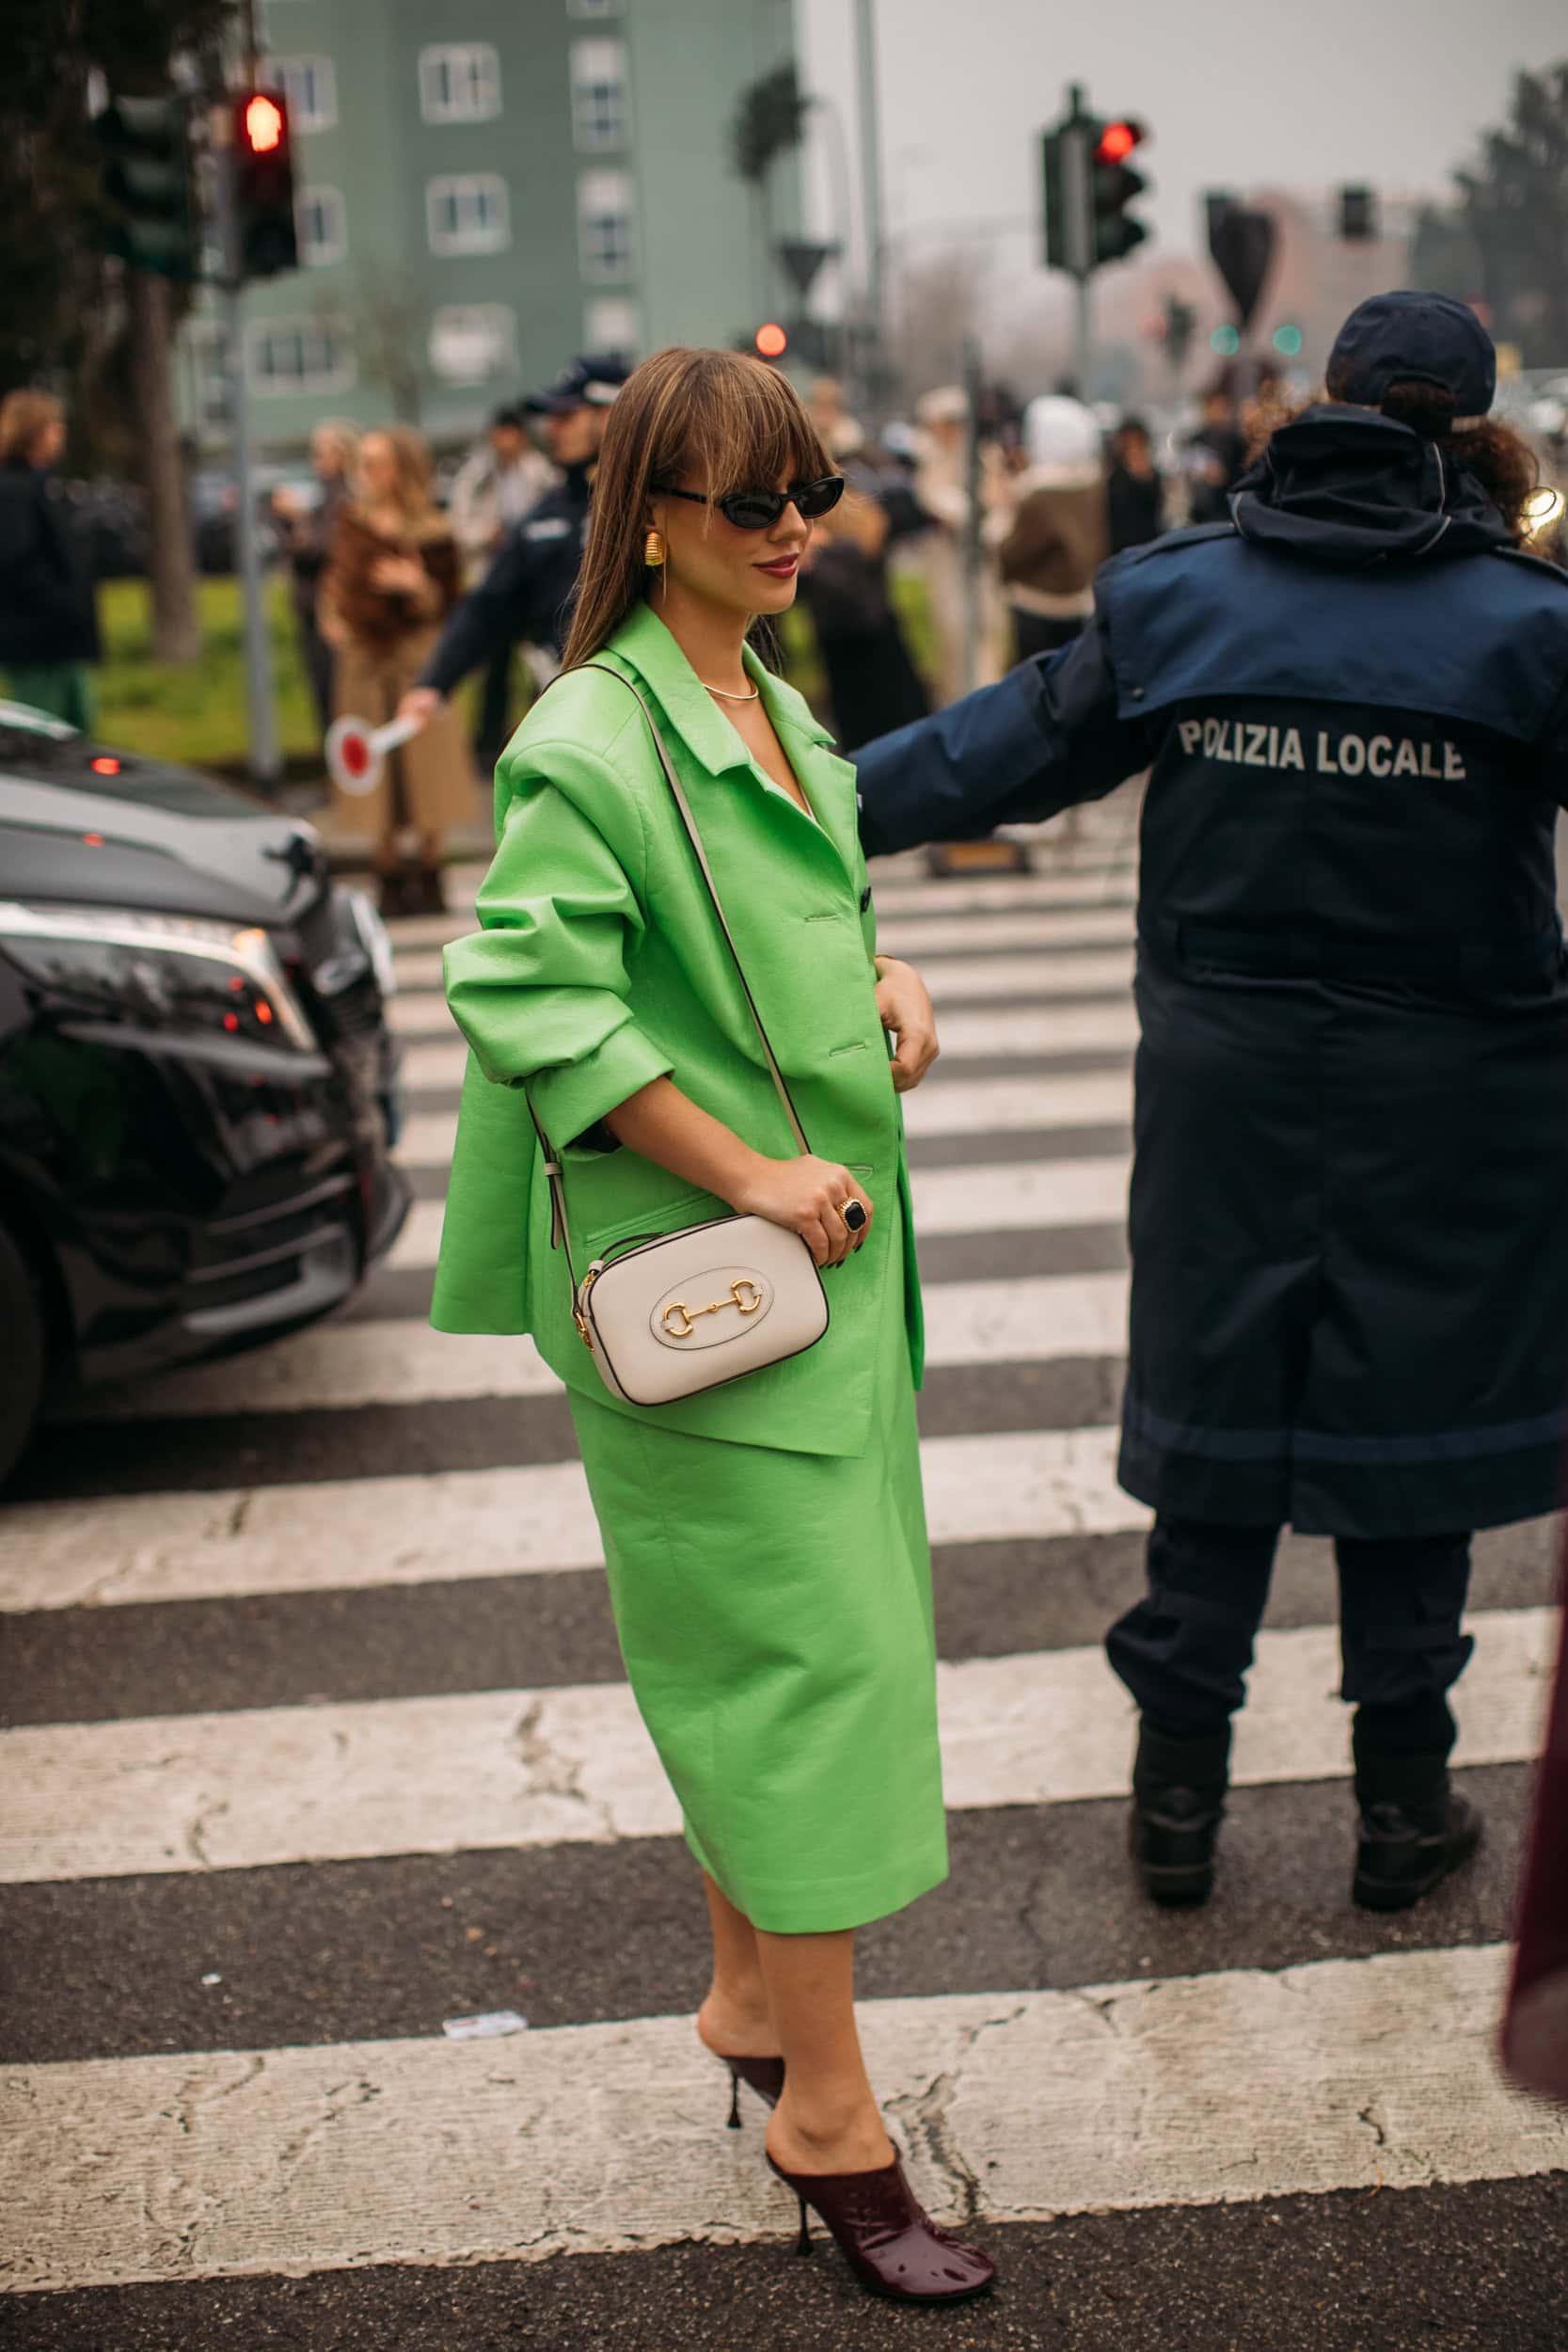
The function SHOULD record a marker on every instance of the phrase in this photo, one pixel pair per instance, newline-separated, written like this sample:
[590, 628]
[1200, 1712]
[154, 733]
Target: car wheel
[24, 1355]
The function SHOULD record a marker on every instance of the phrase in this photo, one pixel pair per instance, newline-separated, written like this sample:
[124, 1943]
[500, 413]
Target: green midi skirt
[774, 1614]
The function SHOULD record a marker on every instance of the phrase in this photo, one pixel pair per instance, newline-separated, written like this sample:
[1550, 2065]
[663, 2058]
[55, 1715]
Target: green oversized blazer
[601, 966]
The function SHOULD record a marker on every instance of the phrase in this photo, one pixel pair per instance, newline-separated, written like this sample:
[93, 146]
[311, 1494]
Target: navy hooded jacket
[1349, 1214]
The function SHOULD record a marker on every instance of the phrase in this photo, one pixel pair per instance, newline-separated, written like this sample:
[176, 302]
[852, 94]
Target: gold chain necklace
[725, 697]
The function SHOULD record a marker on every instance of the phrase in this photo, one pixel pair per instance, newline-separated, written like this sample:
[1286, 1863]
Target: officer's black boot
[1414, 1829]
[1179, 1784]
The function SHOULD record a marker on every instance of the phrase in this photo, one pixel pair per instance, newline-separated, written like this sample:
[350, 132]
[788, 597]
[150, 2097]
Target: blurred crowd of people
[1060, 487]
[955, 553]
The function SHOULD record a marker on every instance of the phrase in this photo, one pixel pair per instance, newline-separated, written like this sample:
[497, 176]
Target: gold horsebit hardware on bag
[688, 1315]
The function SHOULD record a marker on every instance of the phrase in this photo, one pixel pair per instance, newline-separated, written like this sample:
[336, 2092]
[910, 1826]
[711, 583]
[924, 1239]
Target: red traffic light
[261, 124]
[772, 342]
[1118, 140]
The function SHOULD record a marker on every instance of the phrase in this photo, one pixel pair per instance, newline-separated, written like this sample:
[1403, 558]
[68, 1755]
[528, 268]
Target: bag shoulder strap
[696, 840]
[560, 1233]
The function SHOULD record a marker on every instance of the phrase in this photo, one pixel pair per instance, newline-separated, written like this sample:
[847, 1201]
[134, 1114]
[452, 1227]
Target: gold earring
[653, 550]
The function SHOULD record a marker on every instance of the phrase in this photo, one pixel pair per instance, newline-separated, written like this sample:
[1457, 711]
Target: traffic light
[263, 184]
[771, 342]
[1180, 322]
[152, 220]
[1058, 150]
[1087, 187]
[1357, 214]
[1112, 189]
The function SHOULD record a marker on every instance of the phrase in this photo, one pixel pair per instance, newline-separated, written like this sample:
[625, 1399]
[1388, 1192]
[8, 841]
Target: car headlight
[361, 944]
[168, 971]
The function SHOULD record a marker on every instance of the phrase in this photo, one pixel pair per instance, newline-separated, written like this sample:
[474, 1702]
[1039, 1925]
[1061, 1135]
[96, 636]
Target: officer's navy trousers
[1183, 1650]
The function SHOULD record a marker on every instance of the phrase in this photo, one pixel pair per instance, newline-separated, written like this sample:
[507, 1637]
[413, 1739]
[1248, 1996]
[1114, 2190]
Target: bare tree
[936, 305]
[384, 318]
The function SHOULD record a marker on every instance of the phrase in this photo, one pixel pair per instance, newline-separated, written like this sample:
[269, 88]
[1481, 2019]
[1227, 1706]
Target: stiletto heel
[764, 2076]
[887, 2238]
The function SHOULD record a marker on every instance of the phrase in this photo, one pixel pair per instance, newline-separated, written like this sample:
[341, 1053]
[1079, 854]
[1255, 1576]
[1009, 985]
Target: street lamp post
[871, 191]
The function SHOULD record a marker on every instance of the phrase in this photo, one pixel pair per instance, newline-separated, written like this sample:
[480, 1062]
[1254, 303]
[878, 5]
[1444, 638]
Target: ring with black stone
[854, 1216]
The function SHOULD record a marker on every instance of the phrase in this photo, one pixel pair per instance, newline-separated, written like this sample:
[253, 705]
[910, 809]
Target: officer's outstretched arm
[492, 616]
[1046, 735]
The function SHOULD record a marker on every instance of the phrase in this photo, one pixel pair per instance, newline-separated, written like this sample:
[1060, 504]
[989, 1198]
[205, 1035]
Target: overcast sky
[1234, 91]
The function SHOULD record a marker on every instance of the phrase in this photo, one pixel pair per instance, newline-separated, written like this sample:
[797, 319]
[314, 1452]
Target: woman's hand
[398, 575]
[904, 1008]
[808, 1196]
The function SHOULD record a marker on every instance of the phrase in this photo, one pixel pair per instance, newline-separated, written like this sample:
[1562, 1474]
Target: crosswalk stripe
[943, 1106]
[1189, 2091]
[338, 1366]
[914, 937]
[1090, 974]
[353, 1533]
[1066, 1028]
[238, 1791]
[1010, 1197]
[1101, 888]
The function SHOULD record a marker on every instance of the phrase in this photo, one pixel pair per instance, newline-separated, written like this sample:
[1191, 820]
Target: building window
[601, 104]
[611, 323]
[472, 340]
[299, 356]
[606, 230]
[467, 213]
[460, 82]
[310, 86]
[321, 226]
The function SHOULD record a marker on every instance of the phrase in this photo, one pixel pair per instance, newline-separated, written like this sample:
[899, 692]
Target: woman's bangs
[756, 435]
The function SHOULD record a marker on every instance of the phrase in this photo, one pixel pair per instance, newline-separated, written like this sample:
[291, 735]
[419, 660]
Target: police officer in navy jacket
[1349, 1217]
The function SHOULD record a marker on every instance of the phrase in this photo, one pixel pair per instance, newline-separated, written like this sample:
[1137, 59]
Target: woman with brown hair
[392, 576]
[764, 1539]
[48, 626]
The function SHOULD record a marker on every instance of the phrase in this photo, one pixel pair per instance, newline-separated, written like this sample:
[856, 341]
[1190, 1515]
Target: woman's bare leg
[827, 2120]
[734, 2020]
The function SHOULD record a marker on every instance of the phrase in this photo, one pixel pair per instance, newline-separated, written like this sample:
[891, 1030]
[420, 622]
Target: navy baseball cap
[590, 381]
[1413, 337]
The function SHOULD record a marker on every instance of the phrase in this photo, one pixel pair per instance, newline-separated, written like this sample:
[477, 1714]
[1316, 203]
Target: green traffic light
[1288, 341]
[1225, 341]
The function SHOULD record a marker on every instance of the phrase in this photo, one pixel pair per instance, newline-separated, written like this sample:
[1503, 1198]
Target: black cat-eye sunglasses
[759, 510]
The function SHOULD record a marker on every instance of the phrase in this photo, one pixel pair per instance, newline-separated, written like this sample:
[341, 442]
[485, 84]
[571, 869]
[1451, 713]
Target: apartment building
[488, 187]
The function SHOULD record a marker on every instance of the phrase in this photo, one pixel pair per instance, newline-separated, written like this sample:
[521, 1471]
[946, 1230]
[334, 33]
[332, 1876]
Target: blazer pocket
[659, 1218]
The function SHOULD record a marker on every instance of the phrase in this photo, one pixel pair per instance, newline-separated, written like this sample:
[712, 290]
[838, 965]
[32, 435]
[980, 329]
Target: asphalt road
[317, 1740]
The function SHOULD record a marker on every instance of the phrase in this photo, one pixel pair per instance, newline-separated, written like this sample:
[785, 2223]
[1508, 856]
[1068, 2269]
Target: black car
[197, 1088]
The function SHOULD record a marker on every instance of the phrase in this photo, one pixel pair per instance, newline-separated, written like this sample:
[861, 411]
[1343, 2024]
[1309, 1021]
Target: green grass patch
[196, 711]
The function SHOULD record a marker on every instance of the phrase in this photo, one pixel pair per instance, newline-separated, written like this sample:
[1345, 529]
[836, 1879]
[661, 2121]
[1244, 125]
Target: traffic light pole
[1078, 225]
[264, 760]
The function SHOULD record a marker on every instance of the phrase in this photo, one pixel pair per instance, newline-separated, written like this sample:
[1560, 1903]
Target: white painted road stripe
[1011, 1197]
[1101, 888]
[1094, 974]
[908, 936]
[245, 1789]
[404, 1363]
[1067, 1029]
[943, 1106]
[351, 1534]
[1187, 2090]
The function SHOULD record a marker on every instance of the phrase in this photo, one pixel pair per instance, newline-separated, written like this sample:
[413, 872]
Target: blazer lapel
[645, 646]
[828, 782]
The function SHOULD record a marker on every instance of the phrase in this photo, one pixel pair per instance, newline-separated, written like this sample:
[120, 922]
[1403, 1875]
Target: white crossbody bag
[668, 1318]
